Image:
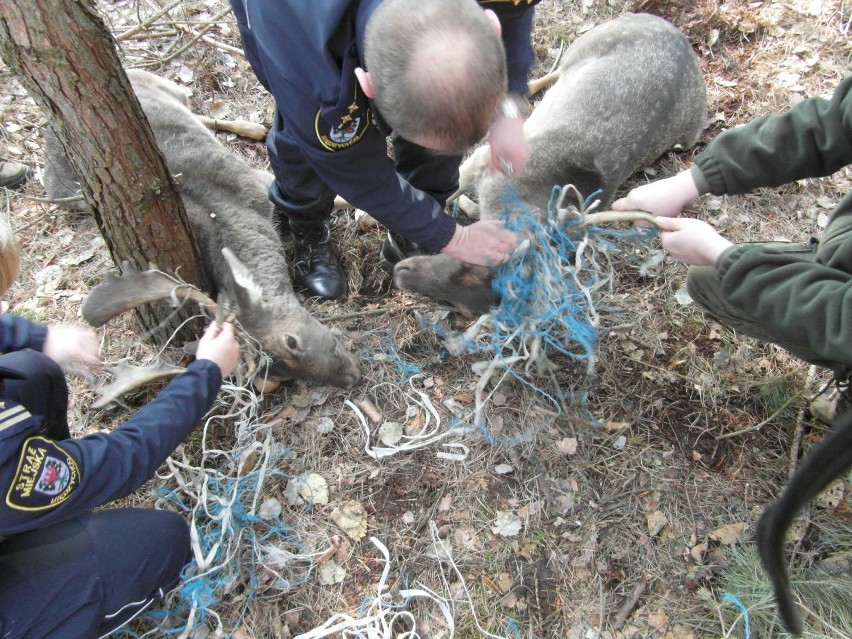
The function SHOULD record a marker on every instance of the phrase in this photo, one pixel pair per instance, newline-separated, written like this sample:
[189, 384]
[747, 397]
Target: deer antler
[129, 377]
[117, 294]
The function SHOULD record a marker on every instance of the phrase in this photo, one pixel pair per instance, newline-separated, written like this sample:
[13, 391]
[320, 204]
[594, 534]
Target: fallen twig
[780, 410]
[209, 40]
[147, 23]
[196, 35]
[630, 604]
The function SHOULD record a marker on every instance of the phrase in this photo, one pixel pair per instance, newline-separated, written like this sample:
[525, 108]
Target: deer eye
[292, 343]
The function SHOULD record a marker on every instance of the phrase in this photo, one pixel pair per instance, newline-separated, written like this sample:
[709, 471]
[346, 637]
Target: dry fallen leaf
[312, 488]
[830, 498]
[658, 619]
[678, 632]
[503, 582]
[656, 522]
[270, 509]
[390, 433]
[728, 535]
[697, 552]
[507, 524]
[331, 573]
[509, 601]
[325, 425]
[466, 537]
[568, 446]
[352, 518]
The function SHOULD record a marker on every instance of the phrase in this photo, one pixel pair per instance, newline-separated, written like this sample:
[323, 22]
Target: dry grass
[616, 538]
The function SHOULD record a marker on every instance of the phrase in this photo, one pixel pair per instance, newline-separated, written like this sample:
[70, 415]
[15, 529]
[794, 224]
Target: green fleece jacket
[811, 296]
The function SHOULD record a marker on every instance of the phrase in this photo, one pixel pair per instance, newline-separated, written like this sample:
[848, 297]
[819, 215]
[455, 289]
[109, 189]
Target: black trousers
[86, 576]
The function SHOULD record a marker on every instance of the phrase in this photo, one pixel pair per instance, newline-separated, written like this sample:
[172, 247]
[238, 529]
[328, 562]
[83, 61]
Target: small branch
[208, 39]
[144, 25]
[346, 316]
[57, 201]
[630, 604]
[783, 407]
[196, 35]
[536, 85]
[244, 128]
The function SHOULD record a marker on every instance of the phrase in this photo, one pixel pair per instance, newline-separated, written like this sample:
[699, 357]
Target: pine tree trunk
[66, 58]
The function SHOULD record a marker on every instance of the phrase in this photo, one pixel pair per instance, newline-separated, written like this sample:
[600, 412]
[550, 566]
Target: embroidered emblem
[345, 130]
[46, 476]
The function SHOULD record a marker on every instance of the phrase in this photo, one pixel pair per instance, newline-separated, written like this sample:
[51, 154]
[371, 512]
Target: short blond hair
[438, 69]
[10, 260]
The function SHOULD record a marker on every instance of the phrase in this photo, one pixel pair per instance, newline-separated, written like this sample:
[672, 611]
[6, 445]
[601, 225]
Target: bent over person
[798, 296]
[66, 571]
[345, 74]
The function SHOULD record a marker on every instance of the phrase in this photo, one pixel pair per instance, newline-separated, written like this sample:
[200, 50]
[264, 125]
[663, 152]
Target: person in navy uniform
[66, 571]
[436, 76]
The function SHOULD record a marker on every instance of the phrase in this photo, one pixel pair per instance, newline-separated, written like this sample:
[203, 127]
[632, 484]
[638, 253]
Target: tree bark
[66, 58]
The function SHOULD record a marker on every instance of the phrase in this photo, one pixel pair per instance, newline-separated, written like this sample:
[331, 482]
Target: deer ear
[246, 289]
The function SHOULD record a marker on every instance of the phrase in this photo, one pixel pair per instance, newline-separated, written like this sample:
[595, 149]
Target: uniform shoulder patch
[47, 475]
[339, 128]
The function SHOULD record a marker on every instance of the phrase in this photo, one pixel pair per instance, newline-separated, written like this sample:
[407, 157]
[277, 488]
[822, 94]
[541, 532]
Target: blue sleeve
[386, 195]
[102, 467]
[18, 333]
[113, 465]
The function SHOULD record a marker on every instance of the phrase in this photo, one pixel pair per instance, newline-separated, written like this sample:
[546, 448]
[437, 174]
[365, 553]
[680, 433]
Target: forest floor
[626, 509]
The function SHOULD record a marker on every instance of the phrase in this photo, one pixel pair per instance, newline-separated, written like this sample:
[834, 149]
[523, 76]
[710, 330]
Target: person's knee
[702, 284]
[173, 533]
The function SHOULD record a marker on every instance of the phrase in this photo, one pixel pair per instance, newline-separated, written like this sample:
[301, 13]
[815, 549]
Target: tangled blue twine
[248, 531]
[545, 289]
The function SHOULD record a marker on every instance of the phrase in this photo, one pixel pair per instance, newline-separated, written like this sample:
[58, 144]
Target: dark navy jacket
[305, 54]
[45, 481]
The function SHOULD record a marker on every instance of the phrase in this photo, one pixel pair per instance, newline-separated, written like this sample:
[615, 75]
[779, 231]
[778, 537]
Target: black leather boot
[316, 264]
[396, 248]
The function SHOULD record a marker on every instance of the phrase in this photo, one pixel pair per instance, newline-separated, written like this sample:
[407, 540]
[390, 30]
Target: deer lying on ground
[231, 217]
[826, 462]
[628, 91]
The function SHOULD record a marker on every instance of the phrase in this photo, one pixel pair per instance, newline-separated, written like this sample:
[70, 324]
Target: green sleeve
[793, 299]
[812, 139]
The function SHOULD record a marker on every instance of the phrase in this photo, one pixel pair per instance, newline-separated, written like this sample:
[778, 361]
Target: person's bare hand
[220, 346]
[661, 198]
[509, 151]
[72, 344]
[691, 241]
[485, 243]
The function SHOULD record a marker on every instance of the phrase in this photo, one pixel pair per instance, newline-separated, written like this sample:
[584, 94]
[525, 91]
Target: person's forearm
[18, 333]
[812, 139]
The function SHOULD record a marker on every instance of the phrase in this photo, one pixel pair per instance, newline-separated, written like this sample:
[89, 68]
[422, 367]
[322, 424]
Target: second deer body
[628, 90]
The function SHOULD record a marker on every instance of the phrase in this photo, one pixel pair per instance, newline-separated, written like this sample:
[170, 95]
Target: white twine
[423, 439]
[382, 617]
[237, 408]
